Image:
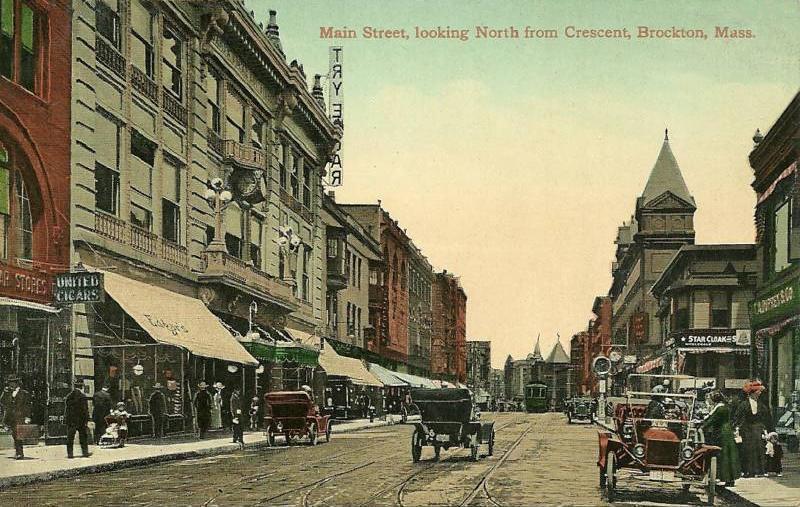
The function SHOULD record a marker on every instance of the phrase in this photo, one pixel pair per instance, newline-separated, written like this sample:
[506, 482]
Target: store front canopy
[174, 319]
[343, 366]
[414, 380]
[387, 377]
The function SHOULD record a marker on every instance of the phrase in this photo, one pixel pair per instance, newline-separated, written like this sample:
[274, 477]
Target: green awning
[281, 352]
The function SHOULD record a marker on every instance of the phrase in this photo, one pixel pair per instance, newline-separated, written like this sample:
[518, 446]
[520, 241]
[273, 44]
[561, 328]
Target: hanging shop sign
[779, 302]
[79, 287]
[702, 338]
[20, 283]
[335, 110]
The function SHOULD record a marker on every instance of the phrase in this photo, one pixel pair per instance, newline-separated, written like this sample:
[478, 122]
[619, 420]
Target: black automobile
[580, 409]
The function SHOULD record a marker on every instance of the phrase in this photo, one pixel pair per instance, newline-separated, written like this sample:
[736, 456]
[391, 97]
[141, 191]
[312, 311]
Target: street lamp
[217, 197]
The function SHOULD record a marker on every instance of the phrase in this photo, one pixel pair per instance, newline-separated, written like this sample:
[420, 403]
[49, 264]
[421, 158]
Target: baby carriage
[117, 431]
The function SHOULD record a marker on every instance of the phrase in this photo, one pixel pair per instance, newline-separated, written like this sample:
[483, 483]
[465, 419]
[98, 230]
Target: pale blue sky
[512, 162]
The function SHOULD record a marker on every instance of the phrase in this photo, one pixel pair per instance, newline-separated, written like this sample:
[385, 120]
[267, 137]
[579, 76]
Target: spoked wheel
[473, 452]
[611, 479]
[491, 444]
[271, 438]
[711, 487]
[313, 438]
[328, 432]
[437, 450]
[416, 446]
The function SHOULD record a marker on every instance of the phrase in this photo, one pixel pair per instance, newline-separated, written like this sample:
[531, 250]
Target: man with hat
[102, 407]
[17, 404]
[752, 420]
[158, 410]
[76, 417]
[202, 407]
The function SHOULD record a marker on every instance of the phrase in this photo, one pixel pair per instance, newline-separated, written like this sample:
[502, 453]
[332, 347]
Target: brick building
[449, 341]
[35, 98]
[479, 363]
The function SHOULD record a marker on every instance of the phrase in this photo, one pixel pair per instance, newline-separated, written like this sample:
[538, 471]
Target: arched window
[18, 208]
[23, 219]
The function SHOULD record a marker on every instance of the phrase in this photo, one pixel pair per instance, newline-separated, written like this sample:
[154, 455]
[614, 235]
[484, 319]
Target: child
[254, 414]
[774, 455]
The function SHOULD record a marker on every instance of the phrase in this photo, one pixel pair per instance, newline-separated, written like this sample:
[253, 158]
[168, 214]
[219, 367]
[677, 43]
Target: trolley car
[536, 397]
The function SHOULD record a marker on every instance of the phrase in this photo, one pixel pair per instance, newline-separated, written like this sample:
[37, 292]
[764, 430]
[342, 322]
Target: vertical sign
[335, 106]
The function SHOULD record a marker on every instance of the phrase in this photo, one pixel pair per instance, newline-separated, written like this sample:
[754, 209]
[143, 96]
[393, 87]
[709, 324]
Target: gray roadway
[539, 460]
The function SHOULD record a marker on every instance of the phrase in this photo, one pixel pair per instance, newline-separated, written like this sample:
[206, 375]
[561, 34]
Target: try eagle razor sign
[335, 109]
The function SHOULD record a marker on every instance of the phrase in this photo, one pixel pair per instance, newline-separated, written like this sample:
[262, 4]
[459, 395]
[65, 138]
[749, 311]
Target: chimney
[316, 91]
[272, 32]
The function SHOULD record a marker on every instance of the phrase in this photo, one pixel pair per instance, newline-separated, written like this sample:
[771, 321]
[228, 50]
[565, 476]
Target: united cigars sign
[702, 338]
[79, 287]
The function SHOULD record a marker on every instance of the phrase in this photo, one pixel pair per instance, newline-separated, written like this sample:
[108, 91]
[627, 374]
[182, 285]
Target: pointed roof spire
[558, 355]
[666, 177]
[537, 351]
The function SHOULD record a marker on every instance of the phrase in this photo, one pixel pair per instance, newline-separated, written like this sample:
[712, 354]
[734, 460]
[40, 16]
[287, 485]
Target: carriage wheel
[271, 438]
[416, 446]
[611, 480]
[473, 452]
[328, 432]
[711, 487]
[313, 438]
[437, 450]
[491, 444]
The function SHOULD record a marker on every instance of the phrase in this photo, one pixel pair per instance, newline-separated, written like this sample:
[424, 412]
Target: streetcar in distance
[448, 418]
[536, 397]
[655, 436]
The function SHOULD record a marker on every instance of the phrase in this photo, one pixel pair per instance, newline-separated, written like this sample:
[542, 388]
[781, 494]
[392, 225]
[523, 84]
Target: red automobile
[293, 415]
[655, 437]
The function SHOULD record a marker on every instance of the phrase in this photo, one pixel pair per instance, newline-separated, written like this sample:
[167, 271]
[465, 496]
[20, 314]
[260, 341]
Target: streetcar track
[315, 483]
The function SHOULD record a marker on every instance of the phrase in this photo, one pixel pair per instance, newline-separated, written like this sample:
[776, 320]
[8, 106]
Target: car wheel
[312, 434]
[416, 446]
[271, 438]
[711, 487]
[437, 450]
[611, 480]
[473, 452]
[491, 444]
[328, 432]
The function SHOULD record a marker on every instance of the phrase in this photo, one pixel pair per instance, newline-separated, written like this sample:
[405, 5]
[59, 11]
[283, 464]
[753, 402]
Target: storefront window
[784, 374]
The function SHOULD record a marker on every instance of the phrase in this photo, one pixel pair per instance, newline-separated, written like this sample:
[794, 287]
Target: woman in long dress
[753, 420]
[216, 407]
[718, 431]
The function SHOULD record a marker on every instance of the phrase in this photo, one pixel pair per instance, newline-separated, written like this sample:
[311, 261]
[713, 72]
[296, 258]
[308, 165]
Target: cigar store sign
[80, 287]
[21, 283]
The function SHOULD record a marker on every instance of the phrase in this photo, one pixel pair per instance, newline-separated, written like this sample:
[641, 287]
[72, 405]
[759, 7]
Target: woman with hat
[216, 408]
[202, 406]
[753, 421]
[717, 430]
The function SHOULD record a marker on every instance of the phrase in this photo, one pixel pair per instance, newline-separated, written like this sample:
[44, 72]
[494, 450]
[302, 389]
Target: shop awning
[387, 377]
[716, 350]
[174, 319]
[280, 352]
[414, 380]
[651, 365]
[335, 364]
[28, 304]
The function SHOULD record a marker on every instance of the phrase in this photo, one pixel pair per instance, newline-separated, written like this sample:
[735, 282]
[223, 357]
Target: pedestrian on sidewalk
[774, 452]
[236, 416]
[216, 408]
[102, 407]
[753, 420]
[17, 403]
[121, 416]
[202, 406]
[718, 431]
[76, 417]
[225, 407]
[254, 410]
[158, 410]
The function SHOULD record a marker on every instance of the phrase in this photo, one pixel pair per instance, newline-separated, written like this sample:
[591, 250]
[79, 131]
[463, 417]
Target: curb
[22, 480]
[734, 498]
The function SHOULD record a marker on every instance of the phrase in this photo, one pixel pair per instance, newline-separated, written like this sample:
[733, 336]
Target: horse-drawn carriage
[448, 418]
[655, 437]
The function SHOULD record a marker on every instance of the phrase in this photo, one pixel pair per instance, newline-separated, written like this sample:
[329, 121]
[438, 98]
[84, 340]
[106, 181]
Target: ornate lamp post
[217, 198]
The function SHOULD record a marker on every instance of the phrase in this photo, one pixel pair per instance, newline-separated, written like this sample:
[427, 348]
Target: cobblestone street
[538, 459]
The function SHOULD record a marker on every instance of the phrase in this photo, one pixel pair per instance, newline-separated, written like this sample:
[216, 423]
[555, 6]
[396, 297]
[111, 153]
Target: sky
[511, 162]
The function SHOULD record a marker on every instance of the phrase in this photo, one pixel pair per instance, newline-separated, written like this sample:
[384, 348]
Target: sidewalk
[770, 491]
[44, 463]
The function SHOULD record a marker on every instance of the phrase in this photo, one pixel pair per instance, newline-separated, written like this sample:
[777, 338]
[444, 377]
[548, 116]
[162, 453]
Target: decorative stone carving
[213, 20]
[207, 295]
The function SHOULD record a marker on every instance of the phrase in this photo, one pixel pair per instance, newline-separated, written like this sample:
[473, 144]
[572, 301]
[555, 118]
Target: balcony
[174, 108]
[229, 270]
[143, 84]
[110, 57]
[293, 204]
[141, 240]
[338, 273]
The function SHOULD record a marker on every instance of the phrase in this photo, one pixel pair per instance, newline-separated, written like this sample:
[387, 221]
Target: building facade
[35, 97]
[197, 168]
[449, 340]
[479, 363]
[775, 310]
[578, 355]
[704, 317]
[663, 222]
[420, 318]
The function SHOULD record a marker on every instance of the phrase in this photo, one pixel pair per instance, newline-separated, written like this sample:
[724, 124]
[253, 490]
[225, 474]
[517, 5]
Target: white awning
[19, 303]
[174, 319]
[414, 380]
[387, 377]
[335, 364]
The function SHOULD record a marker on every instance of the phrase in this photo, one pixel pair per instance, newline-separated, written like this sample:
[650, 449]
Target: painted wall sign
[79, 287]
[19, 283]
[335, 110]
[701, 338]
[779, 302]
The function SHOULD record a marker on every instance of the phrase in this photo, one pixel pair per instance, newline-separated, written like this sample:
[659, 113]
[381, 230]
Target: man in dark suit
[17, 403]
[102, 407]
[76, 417]
[202, 406]
[236, 416]
[158, 410]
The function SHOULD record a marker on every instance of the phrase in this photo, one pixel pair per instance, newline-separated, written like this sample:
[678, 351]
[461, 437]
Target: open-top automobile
[579, 409]
[448, 418]
[654, 437]
[294, 415]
